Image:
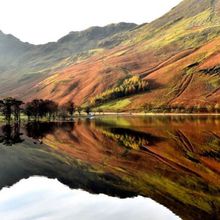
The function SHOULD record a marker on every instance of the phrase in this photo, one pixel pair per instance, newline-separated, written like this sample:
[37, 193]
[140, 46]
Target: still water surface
[111, 168]
[42, 198]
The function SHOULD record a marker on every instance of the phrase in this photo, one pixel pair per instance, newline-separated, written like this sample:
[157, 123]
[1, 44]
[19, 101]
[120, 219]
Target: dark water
[111, 168]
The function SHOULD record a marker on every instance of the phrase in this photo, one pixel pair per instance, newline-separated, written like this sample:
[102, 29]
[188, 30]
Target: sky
[43, 198]
[41, 21]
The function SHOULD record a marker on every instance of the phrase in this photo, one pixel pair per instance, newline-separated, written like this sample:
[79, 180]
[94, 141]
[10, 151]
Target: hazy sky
[40, 21]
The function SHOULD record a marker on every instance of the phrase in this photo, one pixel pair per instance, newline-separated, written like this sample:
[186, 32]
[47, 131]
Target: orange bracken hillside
[178, 55]
[180, 80]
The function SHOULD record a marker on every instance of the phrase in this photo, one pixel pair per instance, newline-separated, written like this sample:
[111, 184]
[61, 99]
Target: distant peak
[120, 24]
[98, 31]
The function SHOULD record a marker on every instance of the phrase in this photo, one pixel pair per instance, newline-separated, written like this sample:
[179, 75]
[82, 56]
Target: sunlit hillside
[176, 56]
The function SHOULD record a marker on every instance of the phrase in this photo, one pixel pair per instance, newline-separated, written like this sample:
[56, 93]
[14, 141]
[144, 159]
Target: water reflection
[173, 160]
[42, 198]
[38, 130]
[130, 138]
[10, 134]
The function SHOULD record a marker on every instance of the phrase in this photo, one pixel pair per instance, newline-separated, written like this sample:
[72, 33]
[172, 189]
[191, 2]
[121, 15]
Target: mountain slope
[23, 65]
[10, 49]
[177, 55]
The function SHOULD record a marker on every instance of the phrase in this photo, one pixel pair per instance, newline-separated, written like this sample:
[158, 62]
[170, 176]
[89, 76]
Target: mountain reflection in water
[173, 160]
[42, 198]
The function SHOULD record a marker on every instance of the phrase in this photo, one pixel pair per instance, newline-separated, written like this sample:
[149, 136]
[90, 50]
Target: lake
[152, 167]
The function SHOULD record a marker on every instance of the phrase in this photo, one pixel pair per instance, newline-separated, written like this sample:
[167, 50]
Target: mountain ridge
[122, 25]
[24, 60]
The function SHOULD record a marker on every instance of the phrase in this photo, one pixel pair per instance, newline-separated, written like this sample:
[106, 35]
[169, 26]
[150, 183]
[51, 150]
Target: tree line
[208, 108]
[38, 109]
[130, 86]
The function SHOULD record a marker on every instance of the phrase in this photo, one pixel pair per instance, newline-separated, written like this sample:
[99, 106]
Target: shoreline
[154, 114]
[116, 114]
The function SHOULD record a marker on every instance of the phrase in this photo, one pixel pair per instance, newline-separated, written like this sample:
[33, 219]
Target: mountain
[177, 56]
[23, 65]
[10, 49]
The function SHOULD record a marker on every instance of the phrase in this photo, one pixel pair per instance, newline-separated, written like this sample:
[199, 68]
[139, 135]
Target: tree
[28, 110]
[39, 108]
[79, 110]
[128, 87]
[50, 108]
[11, 107]
[17, 109]
[88, 110]
[70, 108]
[7, 104]
[32, 109]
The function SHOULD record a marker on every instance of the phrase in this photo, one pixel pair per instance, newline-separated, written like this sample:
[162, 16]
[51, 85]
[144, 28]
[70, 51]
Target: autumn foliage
[128, 87]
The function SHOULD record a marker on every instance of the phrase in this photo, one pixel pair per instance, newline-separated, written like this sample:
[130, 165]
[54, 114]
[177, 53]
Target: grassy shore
[92, 114]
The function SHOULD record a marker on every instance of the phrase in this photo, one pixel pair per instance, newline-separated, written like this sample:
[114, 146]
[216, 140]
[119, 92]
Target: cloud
[44, 199]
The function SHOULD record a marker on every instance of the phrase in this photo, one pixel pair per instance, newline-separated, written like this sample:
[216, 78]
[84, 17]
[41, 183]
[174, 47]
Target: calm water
[49, 199]
[111, 168]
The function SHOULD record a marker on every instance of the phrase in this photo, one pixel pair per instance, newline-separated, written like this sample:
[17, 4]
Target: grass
[115, 105]
[120, 122]
[184, 33]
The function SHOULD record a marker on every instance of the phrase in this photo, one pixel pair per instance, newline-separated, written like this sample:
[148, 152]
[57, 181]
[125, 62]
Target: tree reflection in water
[38, 130]
[10, 134]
